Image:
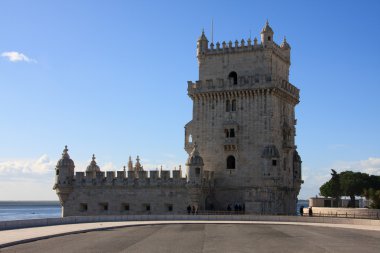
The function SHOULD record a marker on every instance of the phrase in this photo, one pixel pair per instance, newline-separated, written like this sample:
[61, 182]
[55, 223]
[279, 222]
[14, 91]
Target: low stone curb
[5, 225]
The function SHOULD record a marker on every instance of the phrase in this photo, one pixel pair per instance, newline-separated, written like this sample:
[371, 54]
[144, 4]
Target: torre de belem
[240, 141]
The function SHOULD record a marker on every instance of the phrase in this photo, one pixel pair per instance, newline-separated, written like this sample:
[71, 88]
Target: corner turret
[64, 172]
[286, 48]
[194, 166]
[267, 35]
[93, 167]
[202, 45]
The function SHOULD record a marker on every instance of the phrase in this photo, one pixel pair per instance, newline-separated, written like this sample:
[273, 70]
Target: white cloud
[41, 165]
[370, 166]
[14, 56]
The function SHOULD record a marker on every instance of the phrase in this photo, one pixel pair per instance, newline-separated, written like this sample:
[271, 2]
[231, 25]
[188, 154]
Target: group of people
[192, 209]
[237, 208]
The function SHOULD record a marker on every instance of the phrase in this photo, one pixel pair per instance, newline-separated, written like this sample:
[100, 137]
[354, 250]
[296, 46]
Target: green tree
[353, 184]
[332, 187]
[373, 195]
[348, 183]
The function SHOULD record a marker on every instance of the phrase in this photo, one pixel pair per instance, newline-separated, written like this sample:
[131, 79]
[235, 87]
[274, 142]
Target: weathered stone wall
[126, 200]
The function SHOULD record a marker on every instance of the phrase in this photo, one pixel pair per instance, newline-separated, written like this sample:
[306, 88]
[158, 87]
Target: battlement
[243, 83]
[142, 178]
[230, 47]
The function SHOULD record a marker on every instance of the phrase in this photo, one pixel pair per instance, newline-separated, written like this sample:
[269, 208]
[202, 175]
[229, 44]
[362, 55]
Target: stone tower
[244, 124]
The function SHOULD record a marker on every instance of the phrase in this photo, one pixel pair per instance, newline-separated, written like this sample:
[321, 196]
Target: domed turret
[64, 172]
[267, 34]
[194, 166]
[93, 167]
[65, 160]
[64, 169]
[194, 158]
[285, 45]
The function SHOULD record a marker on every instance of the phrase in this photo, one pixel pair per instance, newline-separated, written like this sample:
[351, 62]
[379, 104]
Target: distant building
[332, 202]
[240, 141]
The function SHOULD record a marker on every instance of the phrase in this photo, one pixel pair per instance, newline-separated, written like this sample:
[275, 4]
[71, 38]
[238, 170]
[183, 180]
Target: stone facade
[240, 141]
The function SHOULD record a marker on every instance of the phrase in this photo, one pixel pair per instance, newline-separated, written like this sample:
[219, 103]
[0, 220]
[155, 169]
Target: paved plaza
[210, 237]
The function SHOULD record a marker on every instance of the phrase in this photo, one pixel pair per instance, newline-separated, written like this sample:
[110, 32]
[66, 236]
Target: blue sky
[110, 78]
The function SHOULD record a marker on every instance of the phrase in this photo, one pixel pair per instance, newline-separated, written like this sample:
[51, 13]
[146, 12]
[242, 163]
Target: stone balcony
[244, 83]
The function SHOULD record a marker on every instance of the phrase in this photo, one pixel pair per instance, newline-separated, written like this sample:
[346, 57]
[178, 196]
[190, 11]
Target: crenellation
[154, 175]
[79, 176]
[165, 175]
[177, 174]
[121, 174]
[142, 175]
[110, 175]
[100, 176]
[131, 175]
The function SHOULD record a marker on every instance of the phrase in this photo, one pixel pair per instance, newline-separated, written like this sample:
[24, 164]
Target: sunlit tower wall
[244, 124]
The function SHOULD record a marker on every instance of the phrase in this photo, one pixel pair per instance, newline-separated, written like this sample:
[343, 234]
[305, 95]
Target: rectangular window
[146, 207]
[274, 162]
[83, 207]
[232, 132]
[103, 206]
[169, 207]
[233, 105]
[124, 207]
[228, 106]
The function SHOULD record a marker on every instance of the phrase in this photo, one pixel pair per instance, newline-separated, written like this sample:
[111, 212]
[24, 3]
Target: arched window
[233, 75]
[231, 162]
[190, 138]
[233, 107]
[268, 38]
[228, 106]
[197, 172]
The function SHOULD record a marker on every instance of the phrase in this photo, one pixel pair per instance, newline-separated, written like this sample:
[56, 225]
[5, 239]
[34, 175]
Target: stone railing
[243, 83]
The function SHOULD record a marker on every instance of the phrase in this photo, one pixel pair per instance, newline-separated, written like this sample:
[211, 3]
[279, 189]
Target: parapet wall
[131, 178]
[230, 47]
[243, 83]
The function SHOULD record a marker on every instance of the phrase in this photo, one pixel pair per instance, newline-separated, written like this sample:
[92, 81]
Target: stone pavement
[16, 236]
[207, 237]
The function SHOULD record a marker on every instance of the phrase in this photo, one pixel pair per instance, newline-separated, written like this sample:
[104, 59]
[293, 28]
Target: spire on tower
[65, 154]
[130, 164]
[202, 44]
[138, 166]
